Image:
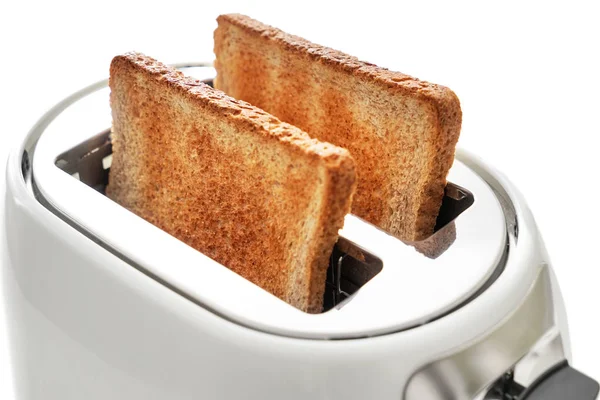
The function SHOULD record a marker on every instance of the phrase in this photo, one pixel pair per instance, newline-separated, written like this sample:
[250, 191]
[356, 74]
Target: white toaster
[104, 305]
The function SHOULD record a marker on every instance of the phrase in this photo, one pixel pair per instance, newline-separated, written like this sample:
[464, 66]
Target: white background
[527, 76]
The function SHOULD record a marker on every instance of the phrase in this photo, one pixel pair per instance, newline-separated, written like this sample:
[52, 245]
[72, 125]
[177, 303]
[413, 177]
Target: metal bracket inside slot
[349, 269]
[86, 161]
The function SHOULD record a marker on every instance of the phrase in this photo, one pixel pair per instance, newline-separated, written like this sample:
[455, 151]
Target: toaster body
[97, 310]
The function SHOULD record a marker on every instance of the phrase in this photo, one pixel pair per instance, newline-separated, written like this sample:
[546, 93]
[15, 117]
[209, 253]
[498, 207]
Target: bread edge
[340, 186]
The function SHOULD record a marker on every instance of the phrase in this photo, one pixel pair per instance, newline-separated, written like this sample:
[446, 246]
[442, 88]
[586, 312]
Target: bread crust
[254, 193]
[326, 93]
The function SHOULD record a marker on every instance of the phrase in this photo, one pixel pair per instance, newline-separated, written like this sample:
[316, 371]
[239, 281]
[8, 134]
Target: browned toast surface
[401, 131]
[253, 193]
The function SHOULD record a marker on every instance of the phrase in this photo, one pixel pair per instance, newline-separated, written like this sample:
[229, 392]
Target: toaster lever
[558, 383]
[562, 382]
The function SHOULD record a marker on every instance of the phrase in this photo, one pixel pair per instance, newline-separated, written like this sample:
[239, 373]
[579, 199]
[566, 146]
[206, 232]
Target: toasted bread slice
[402, 132]
[253, 193]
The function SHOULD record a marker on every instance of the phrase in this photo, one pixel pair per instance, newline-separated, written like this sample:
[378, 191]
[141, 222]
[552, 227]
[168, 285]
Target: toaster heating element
[106, 305]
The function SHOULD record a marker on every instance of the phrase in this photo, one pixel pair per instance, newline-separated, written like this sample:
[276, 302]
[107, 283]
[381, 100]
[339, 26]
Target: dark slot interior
[346, 274]
[349, 268]
[456, 200]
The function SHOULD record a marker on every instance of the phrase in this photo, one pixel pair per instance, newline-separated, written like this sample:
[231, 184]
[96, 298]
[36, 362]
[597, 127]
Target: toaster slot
[89, 161]
[456, 200]
[349, 266]
[349, 269]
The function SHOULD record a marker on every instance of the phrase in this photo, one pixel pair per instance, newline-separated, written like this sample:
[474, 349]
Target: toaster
[104, 305]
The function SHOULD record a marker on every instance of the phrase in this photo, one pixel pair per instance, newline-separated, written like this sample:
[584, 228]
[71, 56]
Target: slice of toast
[401, 131]
[255, 194]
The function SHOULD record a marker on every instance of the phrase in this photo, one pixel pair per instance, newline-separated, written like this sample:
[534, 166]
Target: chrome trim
[468, 373]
